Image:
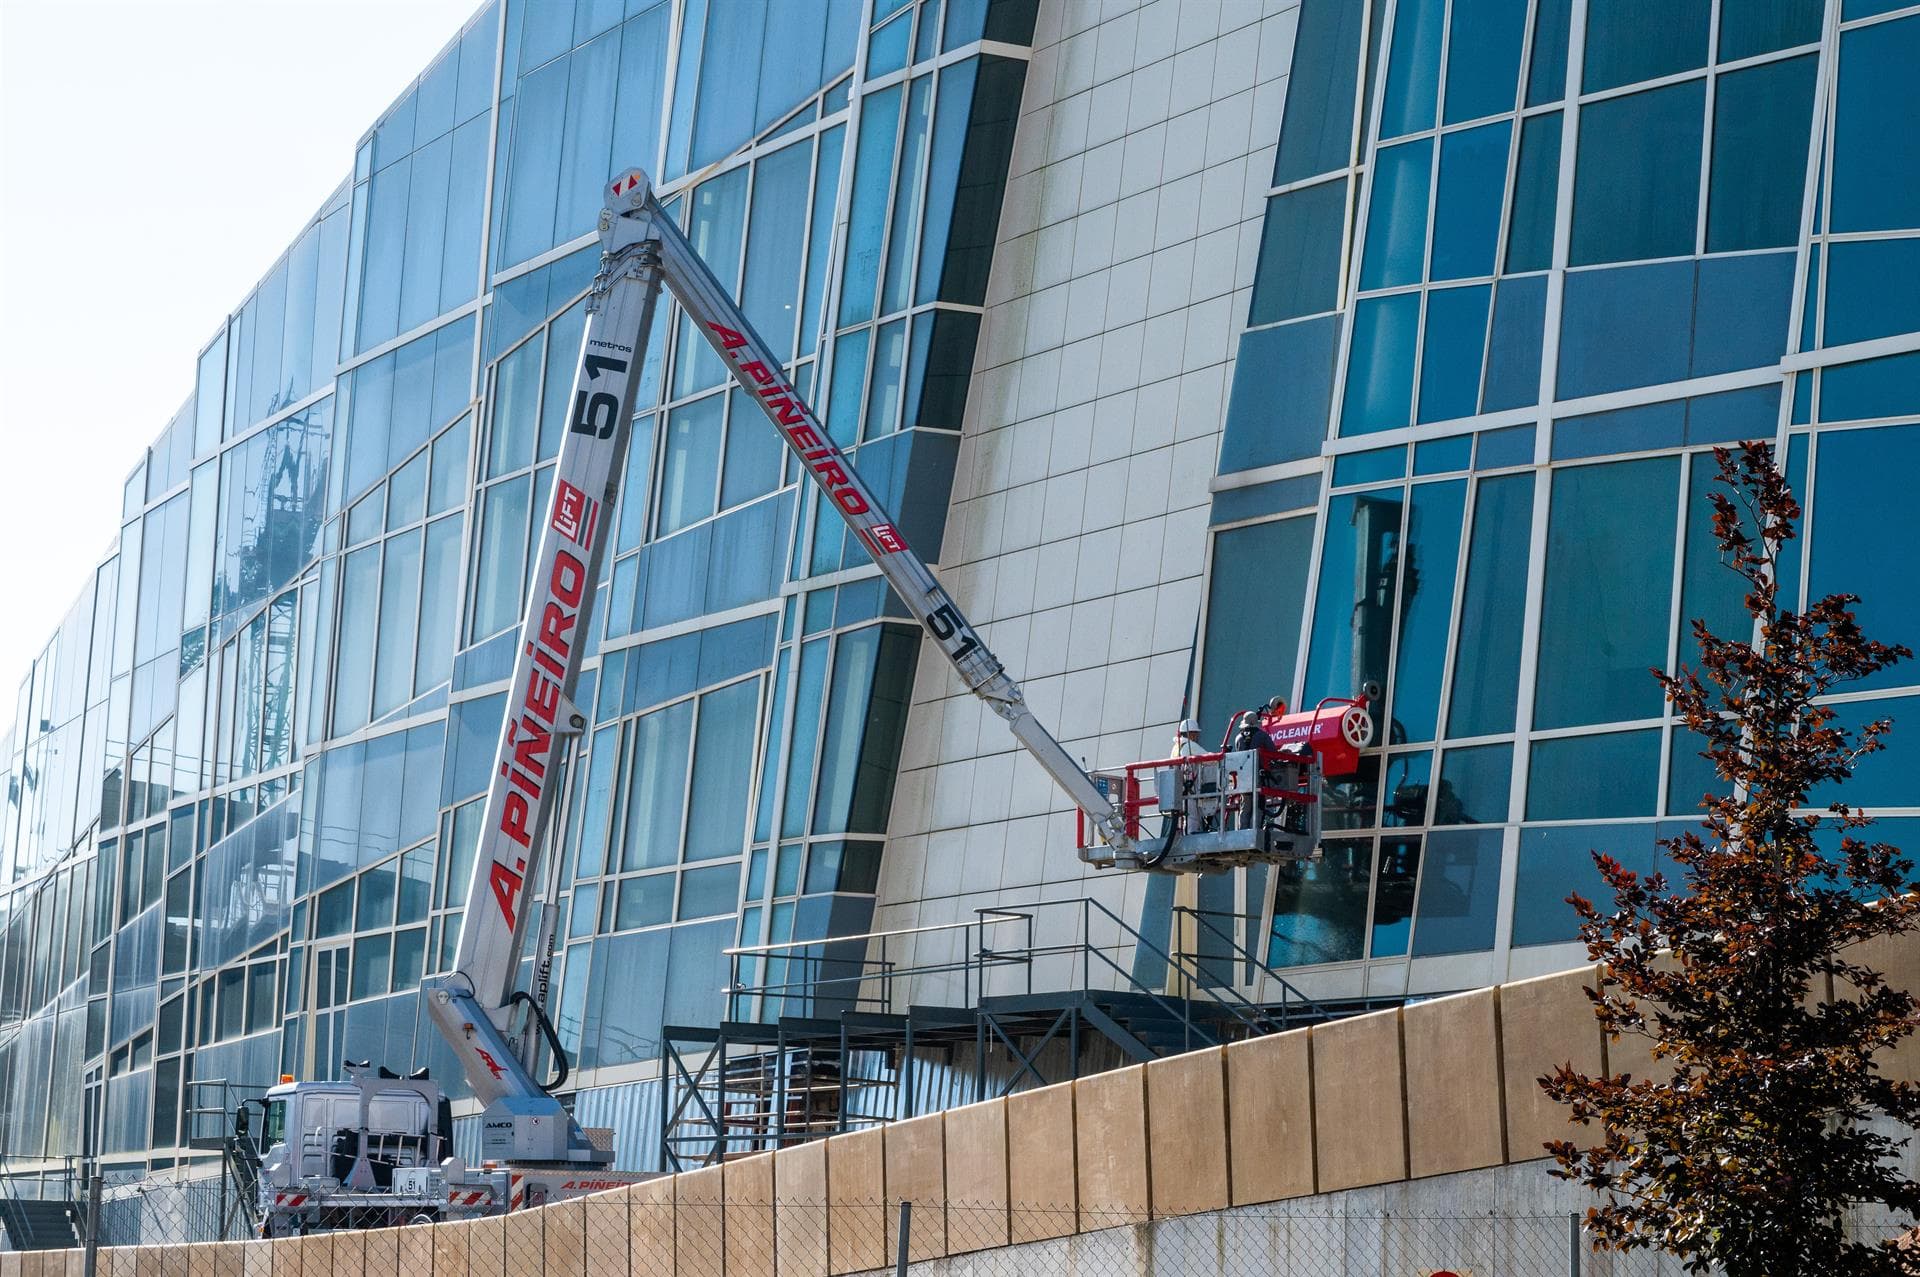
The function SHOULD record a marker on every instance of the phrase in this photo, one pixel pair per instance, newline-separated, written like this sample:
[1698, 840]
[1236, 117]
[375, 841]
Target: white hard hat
[1189, 727]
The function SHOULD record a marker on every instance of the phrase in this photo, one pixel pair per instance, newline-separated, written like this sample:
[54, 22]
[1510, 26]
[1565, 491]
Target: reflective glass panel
[1483, 57]
[1865, 525]
[1629, 40]
[1593, 777]
[1466, 214]
[1426, 607]
[1320, 906]
[1253, 617]
[1760, 120]
[1609, 574]
[1397, 216]
[1379, 392]
[1637, 182]
[1876, 161]
[1485, 687]
[1299, 269]
[1354, 607]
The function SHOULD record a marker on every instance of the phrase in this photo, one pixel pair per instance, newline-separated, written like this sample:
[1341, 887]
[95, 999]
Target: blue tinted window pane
[638, 102]
[1865, 525]
[1432, 555]
[1740, 312]
[716, 228]
[1513, 359]
[587, 137]
[1459, 892]
[1316, 135]
[1557, 862]
[872, 182]
[1413, 68]
[1626, 327]
[1397, 216]
[1876, 161]
[1379, 391]
[533, 164]
[1638, 429]
[896, 291]
[656, 790]
[1259, 581]
[1264, 427]
[1750, 27]
[1466, 215]
[825, 190]
[705, 893]
[1393, 896]
[1450, 366]
[690, 464]
[1439, 456]
[1320, 906]
[1552, 23]
[1370, 467]
[776, 233]
[1886, 778]
[1354, 610]
[1873, 289]
[723, 772]
[1637, 181]
[1609, 571]
[1736, 414]
[1630, 40]
[1760, 121]
[1483, 57]
[1473, 785]
[1887, 387]
[1492, 607]
[1535, 192]
[1710, 590]
[1594, 777]
[887, 50]
[1299, 269]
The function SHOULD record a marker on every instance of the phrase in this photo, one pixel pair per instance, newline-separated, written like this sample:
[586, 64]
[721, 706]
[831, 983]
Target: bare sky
[156, 156]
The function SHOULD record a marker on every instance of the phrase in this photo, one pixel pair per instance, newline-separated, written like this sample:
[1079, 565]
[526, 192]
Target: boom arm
[641, 249]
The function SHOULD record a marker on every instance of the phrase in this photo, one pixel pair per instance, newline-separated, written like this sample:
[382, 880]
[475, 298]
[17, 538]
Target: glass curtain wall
[243, 781]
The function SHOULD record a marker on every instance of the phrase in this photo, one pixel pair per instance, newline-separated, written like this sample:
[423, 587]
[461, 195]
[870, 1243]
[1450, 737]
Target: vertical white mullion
[1562, 233]
[1443, 706]
[483, 291]
[1813, 197]
[669, 85]
[1307, 613]
[1706, 132]
[1522, 84]
[1674, 621]
[1368, 132]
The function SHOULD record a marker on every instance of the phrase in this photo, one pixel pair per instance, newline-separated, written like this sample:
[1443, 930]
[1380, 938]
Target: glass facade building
[1526, 266]
[1214, 352]
[243, 778]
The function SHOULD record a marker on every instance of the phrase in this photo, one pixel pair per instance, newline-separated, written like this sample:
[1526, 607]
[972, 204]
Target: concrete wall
[1402, 1096]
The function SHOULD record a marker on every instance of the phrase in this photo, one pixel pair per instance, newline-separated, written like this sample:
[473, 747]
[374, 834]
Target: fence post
[1573, 1243]
[92, 1259]
[906, 1231]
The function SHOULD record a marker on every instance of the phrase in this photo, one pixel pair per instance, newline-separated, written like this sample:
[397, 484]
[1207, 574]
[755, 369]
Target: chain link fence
[685, 1227]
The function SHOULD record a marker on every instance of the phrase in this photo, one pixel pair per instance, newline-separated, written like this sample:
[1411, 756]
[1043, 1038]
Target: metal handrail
[804, 985]
[1287, 990]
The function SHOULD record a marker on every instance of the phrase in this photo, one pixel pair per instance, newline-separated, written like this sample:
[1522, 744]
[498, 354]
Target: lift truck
[376, 1148]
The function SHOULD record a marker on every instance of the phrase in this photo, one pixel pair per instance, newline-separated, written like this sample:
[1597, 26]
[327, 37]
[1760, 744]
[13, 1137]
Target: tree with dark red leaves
[1754, 1133]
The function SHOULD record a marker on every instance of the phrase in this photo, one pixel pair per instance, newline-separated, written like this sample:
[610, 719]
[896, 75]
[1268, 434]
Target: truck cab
[355, 1133]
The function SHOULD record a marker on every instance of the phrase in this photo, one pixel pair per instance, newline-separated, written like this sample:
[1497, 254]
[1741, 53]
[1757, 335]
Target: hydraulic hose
[553, 1039]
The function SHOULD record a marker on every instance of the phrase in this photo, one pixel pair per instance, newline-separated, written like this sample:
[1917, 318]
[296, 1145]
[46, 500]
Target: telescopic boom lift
[642, 250]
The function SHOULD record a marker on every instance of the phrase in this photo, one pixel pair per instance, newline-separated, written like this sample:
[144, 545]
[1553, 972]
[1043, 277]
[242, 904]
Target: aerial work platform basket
[1255, 800]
